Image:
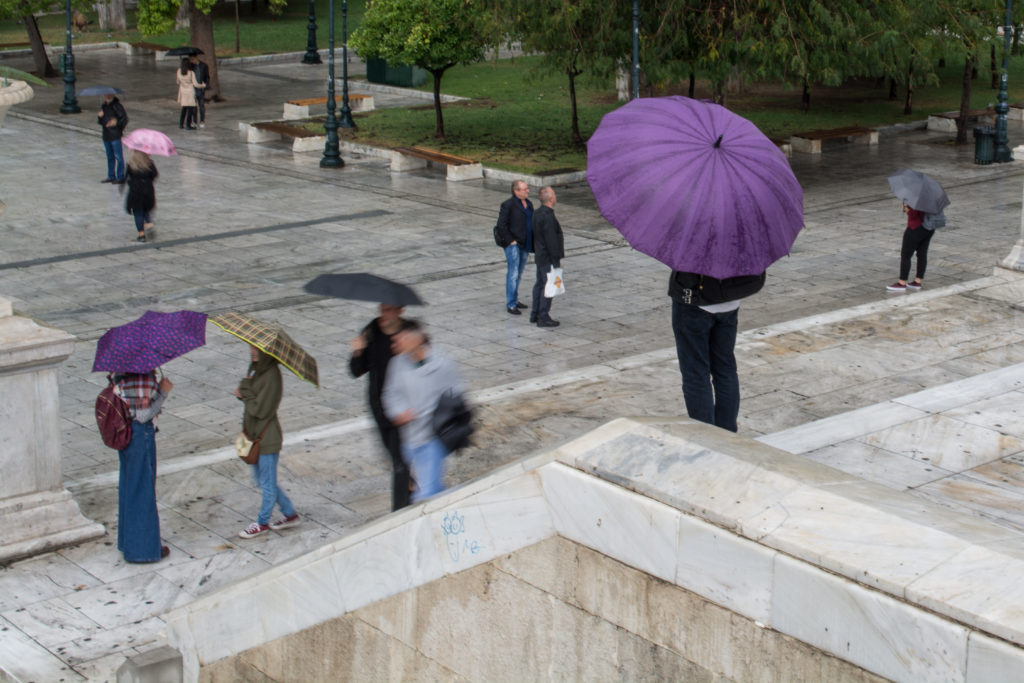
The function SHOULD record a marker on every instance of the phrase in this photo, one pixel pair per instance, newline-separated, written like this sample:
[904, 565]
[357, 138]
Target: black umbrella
[363, 287]
[184, 51]
[100, 90]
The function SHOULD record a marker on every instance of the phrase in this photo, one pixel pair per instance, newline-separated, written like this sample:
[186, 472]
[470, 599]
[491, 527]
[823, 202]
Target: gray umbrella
[184, 51]
[363, 287]
[919, 191]
[100, 90]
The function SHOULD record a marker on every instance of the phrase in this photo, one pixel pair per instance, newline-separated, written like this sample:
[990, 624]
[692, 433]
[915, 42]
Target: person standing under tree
[187, 85]
[202, 73]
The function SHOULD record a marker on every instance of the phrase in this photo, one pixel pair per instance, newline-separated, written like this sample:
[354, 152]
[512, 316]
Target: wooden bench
[810, 141]
[299, 109]
[6, 46]
[456, 168]
[945, 122]
[303, 140]
[144, 48]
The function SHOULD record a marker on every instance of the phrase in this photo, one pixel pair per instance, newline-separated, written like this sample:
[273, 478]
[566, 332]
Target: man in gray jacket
[416, 379]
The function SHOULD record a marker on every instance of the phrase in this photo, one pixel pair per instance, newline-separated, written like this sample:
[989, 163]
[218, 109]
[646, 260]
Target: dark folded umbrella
[184, 51]
[363, 287]
[100, 90]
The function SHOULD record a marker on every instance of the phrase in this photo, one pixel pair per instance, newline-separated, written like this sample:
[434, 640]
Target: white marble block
[36, 513]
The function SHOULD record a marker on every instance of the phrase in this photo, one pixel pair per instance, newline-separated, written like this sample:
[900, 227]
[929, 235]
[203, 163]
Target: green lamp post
[312, 56]
[331, 157]
[1002, 150]
[70, 104]
[346, 111]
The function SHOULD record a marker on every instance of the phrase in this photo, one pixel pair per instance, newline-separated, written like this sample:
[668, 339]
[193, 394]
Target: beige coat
[186, 88]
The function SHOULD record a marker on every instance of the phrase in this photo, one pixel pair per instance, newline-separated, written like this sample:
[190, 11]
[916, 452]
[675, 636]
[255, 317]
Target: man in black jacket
[515, 229]
[202, 73]
[549, 248]
[113, 119]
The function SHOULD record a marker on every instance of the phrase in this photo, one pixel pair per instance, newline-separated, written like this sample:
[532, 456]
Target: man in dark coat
[371, 353]
[515, 229]
[549, 248]
[202, 73]
[113, 118]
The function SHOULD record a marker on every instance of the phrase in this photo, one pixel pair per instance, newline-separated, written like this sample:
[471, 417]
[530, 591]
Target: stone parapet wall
[646, 548]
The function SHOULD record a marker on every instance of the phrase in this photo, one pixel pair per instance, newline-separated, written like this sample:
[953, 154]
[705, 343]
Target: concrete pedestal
[37, 514]
[1015, 259]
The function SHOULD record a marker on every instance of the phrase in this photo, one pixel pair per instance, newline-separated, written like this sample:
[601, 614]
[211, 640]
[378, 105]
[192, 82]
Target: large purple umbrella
[149, 341]
[695, 186]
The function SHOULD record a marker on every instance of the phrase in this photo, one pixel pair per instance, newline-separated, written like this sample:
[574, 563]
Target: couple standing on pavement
[407, 380]
[193, 78]
[523, 231]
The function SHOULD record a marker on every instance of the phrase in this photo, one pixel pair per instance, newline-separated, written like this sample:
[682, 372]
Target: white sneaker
[202, 125]
[286, 522]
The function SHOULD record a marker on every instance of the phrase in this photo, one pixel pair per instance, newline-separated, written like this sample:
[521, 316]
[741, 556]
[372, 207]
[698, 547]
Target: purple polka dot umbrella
[150, 341]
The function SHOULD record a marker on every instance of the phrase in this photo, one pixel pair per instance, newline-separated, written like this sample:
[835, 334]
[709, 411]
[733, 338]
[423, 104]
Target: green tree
[26, 10]
[435, 35]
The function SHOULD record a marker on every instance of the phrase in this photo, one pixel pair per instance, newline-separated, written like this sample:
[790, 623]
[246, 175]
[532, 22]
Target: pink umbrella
[149, 141]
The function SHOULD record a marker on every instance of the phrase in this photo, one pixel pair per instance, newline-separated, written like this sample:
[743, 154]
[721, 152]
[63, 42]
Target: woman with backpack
[138, 523]
[141, 199]
[261, 392]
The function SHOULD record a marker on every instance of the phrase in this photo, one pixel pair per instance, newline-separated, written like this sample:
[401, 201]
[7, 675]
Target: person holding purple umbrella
[138, 522]
[705, 315]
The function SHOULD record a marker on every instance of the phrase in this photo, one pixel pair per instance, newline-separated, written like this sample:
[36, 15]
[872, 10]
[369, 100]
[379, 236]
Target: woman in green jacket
[261, 392]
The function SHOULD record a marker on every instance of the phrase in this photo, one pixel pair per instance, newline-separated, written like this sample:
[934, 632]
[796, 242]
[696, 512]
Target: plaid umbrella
[271, 340]
[149, 341]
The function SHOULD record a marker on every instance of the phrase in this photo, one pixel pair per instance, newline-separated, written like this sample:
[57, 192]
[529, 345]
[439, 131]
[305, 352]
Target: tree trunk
[201, 36]
[942, 62]
[438, 118]
[908, 104]
[111, 15]
[965, 102]
[577, 139]
[181, 20]
[1016, 38]
[994, 68]
[43, 67]
[892, 89]
[693, 84]
[805, 97]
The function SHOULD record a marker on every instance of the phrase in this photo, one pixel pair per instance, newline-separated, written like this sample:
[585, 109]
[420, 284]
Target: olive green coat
[261, 393]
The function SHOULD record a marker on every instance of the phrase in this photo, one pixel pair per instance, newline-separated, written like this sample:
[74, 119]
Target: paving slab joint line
[511, 390]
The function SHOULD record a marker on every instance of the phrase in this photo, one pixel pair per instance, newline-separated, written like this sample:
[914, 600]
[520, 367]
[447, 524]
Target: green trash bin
[984, 144]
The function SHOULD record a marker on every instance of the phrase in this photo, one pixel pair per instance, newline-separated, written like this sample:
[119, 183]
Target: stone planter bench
[15, 92]
[810, 142]
[456, 168]
[299, 109]
[945, 122]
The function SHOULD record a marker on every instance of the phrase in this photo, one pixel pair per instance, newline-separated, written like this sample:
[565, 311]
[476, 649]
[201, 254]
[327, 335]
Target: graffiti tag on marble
[459, 544]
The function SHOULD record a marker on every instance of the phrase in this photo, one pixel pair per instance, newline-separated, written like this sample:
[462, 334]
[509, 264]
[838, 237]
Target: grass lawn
[520, 120]
[259, 33]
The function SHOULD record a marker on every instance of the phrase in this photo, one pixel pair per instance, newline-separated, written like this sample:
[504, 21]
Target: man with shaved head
[549, 248]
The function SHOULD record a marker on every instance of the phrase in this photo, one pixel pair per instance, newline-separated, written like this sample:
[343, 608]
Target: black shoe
[190, 127]
[547, 322]
[117, 182]
[513, 311]
[107, 180]
[521, 305]
[140, 238]
[533, 319]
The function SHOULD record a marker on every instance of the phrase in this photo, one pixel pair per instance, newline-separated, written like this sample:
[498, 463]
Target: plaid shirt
[136, 389]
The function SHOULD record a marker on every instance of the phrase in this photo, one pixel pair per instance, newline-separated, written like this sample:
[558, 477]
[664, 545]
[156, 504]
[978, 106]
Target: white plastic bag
[554, 285]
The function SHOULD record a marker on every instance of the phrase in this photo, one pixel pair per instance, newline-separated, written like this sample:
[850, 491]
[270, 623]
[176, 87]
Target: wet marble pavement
[828, 359]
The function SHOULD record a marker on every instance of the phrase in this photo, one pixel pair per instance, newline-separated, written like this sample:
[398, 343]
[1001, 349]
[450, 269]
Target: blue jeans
[138, 522]
[115, 159]
[141, 218]
[427, 465]
[704, 345]
[515, 257]
[264, 473]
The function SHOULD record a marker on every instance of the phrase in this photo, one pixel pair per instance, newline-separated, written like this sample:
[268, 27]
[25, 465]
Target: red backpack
[113, 418]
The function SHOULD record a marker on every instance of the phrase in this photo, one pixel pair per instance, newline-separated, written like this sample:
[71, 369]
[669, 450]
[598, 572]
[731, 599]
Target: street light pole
[331, 158]
[346, 111]
[312, 56]
[636, 49]
[1002, 149]
[70, 104]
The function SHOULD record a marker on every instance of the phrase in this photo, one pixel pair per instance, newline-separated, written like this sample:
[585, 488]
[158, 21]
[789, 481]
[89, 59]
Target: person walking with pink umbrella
[141, 173]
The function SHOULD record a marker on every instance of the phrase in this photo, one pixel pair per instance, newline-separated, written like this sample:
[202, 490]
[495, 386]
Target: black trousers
[201, 103]
[915, 241]
[188, 117]
[400, 479]
[541, 309]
